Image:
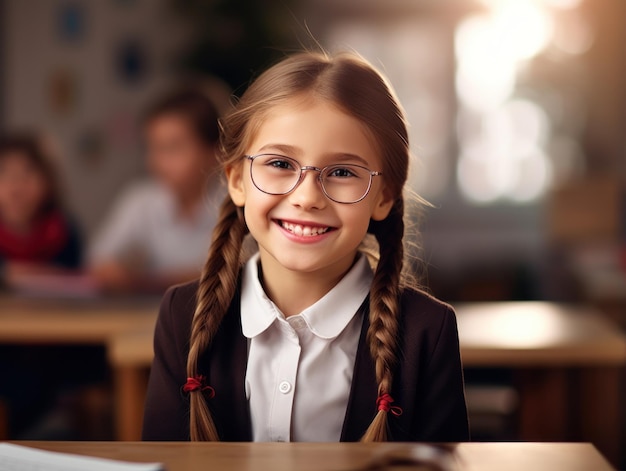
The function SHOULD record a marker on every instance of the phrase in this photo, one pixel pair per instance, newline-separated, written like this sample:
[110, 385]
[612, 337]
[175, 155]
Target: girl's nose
[308, 194]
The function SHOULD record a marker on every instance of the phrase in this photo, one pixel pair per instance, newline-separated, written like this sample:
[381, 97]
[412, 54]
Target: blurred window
[491, 91]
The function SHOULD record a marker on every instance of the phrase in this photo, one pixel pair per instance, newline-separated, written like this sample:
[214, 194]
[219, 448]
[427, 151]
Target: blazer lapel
[364, 389]
[227, 371]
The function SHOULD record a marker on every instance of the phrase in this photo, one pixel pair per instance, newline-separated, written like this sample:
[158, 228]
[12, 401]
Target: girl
[37, 241]
[305, 343]
[160, 229]
[35, 234]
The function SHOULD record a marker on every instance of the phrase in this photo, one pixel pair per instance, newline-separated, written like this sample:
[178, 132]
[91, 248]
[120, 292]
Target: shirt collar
[326, 318]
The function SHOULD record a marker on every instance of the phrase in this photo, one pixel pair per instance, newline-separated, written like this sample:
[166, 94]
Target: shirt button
[284, 387]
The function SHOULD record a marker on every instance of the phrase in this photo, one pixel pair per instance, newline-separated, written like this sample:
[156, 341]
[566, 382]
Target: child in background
[37, 240]
[159, 231]
[36, 236]
[305, 342]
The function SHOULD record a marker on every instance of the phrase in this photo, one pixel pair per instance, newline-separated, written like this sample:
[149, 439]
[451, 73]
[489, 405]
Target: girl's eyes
[280, 164]
[341, 172]
[331, 172]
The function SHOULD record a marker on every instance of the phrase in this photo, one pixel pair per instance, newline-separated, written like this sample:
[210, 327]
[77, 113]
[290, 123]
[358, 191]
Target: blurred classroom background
[517, 111]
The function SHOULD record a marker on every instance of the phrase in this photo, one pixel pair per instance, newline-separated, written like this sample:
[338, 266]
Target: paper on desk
[21, 458]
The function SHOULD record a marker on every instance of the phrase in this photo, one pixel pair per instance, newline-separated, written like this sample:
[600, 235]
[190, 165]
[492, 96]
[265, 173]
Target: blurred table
[568, 363]
[543, 334]
[73, 321]
[335, 456]
[48, 321]
[130, 355]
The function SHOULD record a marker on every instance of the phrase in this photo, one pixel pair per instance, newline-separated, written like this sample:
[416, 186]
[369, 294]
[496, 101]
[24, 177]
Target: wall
[63, 74]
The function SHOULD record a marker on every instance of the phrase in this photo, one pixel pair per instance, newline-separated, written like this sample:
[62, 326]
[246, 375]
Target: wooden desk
[568, 364]
[334, 456]
[537, 334]
[81, 321]
[130, 355]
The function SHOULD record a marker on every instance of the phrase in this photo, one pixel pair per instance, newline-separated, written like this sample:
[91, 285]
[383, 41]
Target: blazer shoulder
[422, 312]
[183, 295]
[415, 302]
[178, 306]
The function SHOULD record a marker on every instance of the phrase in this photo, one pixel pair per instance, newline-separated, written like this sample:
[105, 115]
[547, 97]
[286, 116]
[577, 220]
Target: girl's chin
[303, 263]
[298, 265]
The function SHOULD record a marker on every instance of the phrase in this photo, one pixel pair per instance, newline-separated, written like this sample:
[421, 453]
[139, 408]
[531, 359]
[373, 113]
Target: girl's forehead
[313, 126]
[305, 103]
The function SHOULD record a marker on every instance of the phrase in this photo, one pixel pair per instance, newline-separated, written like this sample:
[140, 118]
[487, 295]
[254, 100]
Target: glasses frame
[320, 171]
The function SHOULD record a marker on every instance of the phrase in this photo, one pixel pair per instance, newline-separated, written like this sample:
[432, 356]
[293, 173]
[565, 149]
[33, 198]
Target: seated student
[37, 239]
[159, 230]
[36, 235]
[306, 342]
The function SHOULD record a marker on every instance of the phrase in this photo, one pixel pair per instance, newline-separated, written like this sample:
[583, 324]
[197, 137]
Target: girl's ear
[236, 188]
[382, 205]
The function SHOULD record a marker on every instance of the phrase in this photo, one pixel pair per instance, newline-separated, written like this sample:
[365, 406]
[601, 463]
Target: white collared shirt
[300, 368]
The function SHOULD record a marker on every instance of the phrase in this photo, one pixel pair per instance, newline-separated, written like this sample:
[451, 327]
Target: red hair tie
[197, 384]
[384, 403]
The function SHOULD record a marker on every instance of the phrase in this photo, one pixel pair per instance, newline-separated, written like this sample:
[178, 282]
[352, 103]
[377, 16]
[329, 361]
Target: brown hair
[30, 148]
[356, 87]
[193, 105]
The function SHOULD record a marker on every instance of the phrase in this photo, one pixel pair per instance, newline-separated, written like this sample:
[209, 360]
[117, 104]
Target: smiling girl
[304, 341]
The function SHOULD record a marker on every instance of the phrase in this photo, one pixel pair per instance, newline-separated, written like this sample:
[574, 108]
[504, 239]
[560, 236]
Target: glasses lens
[346, 183]
[278, 175]
[274, 174]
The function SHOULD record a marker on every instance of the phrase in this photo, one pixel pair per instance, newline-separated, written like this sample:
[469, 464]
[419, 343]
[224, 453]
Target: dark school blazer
[428, 382]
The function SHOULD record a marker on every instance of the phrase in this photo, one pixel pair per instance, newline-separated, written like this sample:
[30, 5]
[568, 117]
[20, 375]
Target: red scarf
[41, 244]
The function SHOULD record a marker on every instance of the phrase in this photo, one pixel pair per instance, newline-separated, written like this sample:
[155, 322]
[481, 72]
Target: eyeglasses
[275, 174]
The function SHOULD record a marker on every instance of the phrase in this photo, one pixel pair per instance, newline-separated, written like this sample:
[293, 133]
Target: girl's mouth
[301, 230]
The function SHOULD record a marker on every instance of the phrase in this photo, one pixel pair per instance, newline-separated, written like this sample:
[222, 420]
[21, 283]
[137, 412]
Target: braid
[216, 289]
[384, 310]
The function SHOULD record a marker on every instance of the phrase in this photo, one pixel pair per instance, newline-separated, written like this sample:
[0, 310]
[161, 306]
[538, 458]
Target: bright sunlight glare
[503, 158]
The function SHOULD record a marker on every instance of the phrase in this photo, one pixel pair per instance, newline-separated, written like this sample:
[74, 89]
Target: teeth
[303, 231]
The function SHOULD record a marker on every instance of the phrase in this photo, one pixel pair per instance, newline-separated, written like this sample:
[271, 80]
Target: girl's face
[176, 155]
[315, 133]
[23, 190]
